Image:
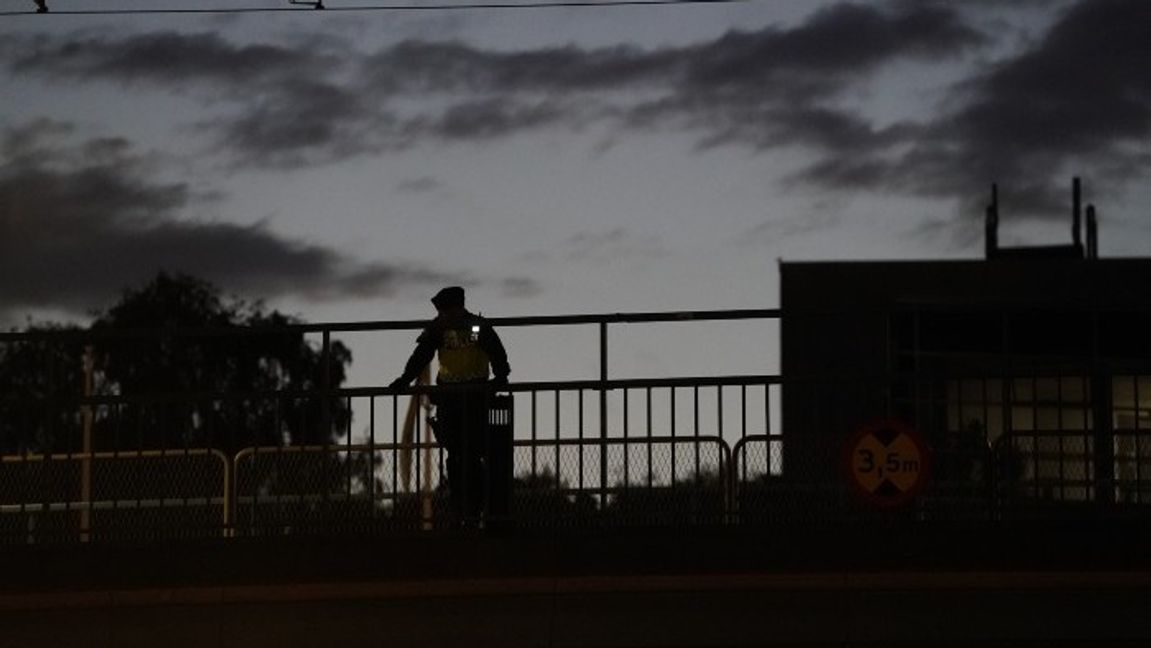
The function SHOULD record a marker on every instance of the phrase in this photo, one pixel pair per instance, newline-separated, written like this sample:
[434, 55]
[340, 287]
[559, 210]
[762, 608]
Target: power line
[318, 5]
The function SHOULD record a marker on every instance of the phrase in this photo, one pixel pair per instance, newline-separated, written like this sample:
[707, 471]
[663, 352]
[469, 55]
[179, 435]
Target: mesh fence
[612, 481]
[323, 488]
[557, 483]
[1133, 467]
[1058, 474]
[761, 495]
[621, 481]
[106, 496]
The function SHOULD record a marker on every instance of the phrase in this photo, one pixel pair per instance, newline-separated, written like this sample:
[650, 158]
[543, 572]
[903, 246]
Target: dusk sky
[345, 165]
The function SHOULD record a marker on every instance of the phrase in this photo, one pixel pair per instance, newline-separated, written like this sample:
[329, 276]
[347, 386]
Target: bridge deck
[691, 587]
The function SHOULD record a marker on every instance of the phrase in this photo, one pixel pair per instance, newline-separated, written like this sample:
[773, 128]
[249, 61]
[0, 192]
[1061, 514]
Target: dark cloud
[421, 67]
[490, 118]
[170, 59]
[79, 223]
[817, 127]
[843, 39]
[1078, 102]
[811, 59]
[300, 123]
[423, 184]
[606, 246]
[520, 287]
[757, 88]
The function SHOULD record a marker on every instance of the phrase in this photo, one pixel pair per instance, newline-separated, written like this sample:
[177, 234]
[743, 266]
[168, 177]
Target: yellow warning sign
[887, 462]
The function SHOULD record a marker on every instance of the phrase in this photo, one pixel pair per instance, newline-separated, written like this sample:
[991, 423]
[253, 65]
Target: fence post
[1103, 437]
[326, 386]
[229, 493]
[87, 447]
[603, 415]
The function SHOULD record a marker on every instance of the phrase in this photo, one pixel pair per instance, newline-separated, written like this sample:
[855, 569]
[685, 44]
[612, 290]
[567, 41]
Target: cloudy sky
[344, 165]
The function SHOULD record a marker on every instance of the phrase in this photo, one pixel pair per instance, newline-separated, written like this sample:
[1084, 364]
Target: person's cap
[449, 297]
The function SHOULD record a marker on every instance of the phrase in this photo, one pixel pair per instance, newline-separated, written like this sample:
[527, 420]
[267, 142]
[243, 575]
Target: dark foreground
[989, 585]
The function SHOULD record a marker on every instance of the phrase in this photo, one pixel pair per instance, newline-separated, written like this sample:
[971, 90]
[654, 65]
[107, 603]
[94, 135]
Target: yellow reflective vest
[461, 357]
[467, 346]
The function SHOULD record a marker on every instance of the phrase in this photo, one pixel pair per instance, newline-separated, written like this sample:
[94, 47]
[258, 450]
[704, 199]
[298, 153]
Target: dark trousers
[479, 462]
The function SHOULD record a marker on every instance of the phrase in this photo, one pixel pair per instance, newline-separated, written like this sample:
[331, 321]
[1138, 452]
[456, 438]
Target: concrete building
[1040, 357]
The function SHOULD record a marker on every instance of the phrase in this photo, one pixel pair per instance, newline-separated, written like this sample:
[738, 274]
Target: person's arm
[425, 350]
[498, 356]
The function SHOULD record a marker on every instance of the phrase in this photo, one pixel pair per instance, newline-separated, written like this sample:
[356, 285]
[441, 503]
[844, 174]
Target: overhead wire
[298, 7]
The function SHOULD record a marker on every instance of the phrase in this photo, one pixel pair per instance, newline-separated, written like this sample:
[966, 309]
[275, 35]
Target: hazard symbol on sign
[887, 462]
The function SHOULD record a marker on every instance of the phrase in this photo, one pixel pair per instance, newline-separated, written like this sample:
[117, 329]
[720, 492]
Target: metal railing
[1053, 472]
[666, 457]
[687, 450]
[114, 495]
[631, 477]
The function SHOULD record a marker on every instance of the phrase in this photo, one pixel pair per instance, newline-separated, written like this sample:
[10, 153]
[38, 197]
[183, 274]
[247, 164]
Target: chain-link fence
[363, 488]
[320, 489]
[113, 496]
[85, 461]
[656, 480]
[1056, 474]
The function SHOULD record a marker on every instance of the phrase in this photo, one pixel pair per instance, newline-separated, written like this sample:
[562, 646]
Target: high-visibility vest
[461, 358]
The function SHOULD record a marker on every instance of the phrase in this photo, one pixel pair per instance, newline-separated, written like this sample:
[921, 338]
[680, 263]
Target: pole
[86, 450]
[1076, 213]
[603, 415]
[326, 386]
[407, 437]
[427, 510]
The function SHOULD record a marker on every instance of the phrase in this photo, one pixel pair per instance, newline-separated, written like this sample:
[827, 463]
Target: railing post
[326, 385]
[603, 415]
[1103, 437]
[87, 447]
[229, 493]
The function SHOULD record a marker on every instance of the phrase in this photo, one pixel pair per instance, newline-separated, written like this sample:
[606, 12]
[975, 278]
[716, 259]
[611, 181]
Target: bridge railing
[665, 457]
[563, 476]
[705, 449]
[114, 495]
[319, 498]
[1053, 472]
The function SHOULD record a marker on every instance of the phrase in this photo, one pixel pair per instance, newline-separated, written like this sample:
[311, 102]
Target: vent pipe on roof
[991, 225]
[1076, 212]
[1092, 233]
[1076, 250]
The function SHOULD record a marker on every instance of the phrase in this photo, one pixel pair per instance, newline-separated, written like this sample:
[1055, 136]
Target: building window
[1131, 419]
[1037, 429]
[1041, 434]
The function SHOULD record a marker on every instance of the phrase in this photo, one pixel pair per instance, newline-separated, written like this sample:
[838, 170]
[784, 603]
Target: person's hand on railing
[397, 384]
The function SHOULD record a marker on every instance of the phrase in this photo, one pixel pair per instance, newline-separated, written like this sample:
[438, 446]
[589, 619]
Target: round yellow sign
[887, 462]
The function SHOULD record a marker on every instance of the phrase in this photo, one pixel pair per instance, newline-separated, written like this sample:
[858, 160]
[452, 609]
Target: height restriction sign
[887, 462]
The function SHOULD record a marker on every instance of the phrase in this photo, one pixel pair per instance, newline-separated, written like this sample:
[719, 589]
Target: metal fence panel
[113, 496]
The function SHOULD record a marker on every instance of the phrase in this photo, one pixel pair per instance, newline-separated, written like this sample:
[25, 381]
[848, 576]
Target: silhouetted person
[479, 463]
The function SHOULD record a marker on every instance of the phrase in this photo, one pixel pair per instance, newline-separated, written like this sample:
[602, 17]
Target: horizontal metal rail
[1039, 306]
[618, 435]
[356, 392]
[86, 483]
[113, 505]
[1041, 472]
[390, 325]
[120, 454]
[732, 479]
[544, 482]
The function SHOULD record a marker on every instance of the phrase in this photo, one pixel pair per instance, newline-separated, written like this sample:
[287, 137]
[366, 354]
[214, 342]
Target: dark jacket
[466, 340]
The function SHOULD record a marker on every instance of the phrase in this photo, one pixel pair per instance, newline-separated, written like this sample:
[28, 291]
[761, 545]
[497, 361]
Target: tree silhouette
[40, 382]
[175, 366]
[191, 369]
